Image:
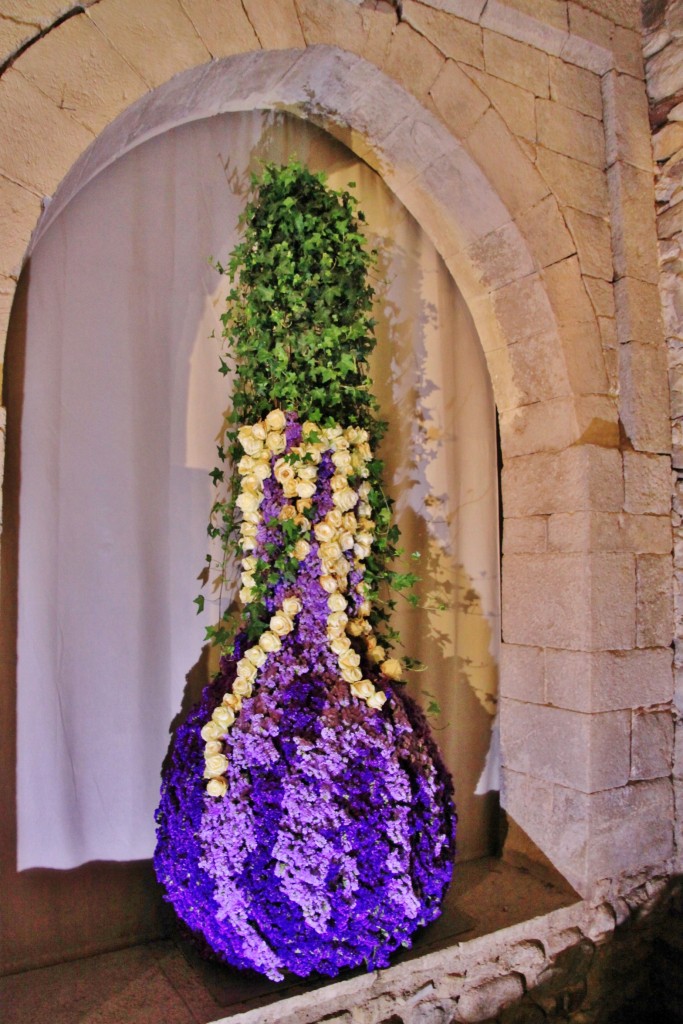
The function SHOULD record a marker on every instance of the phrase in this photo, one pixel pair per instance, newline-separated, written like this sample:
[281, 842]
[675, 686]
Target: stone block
[488, 999]
[568, 600]
[608, 680]
[648, 483]
[634, 234]
[530, 371]
[21, 209]
[517, 63]
[502, 256]
[157, 40]
[627, 126]
[27, 118]
[609, 531]
[413, 61]
[622, 12]
[652, 737]
[644, 396]
[655, 627]
[627, 45]
[528, 534]
[81, 72]
[522, 673]
[570, 133]
[574, 183]
[546, 231]
[523, 309]
[540, 23]
[584, 357]
[639, 311]
[575, 88]
[554, 425]
[457, 39]
[593, 243]
[586, 752]
[276, 24]
[583, 478]
[601, 294]
[225, 28]
[512, 174]
[670, 222]
[667, 142]
[516, 106]
[630, 828]
[567, 292]
[458, 102]
[665, 74]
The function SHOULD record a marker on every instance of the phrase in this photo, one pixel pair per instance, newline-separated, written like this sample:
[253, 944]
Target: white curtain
[122, 405]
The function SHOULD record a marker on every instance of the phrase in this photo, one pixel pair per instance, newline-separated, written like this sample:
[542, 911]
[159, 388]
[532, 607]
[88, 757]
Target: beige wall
[517, 134]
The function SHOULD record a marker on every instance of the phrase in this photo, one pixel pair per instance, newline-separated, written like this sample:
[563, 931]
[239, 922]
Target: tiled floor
[164, 983]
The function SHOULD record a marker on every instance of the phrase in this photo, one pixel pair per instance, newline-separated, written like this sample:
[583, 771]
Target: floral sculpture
[306, 821]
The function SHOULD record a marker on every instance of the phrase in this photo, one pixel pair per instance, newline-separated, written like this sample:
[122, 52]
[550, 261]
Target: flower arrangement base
[333, 843]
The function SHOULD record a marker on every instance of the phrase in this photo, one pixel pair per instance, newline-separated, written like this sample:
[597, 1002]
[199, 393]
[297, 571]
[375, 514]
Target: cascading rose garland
[306, 822]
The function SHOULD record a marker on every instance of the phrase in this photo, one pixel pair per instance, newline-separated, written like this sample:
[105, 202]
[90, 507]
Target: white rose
[242, 687]
[245, 669]
[245, 465]
[291, 606]
[283, 471]
[338, 482]
[249, 563]
[334, 518]
[251, 482]
[324, 532]
[336, 602]
[364, 509]
[281, 624]
[307, 472]
[270, 642]
[342, 461]
[248, 529]
[361, 550]
[252, 445]
[377, 700]
[223, 716]
[391, 668]
[345, 500]
[276, 442]
[211, 731]
[262, 470]
[217, 787]
[305, 489]
[346, 541]
[342, 569]
[213, 747]
[364, 490]
[310, 428]
[215, 765]
[248, 580]
[275, 420]
[245, 595]
[256, 655]
[332, 432]
[248, 501]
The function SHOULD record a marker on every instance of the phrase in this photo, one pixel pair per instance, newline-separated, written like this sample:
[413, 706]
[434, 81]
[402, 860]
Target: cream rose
[245, 465]
[283, 471]
[336, 622]
[248, 529]
[342, 461]
[305, 488]
[276, 442]
[286, 512]
[363, 688]
[281, 624]
[324, 532]
[307, 472]
[350, 659]
[262, 469]
[245, 595]
[249, 563]
[350, 675]
[275, 420]
[303, 504]
[364, 509]
[349, 522]
[303, 523]
[377, 700]
[329, 584]
[364, 609]
[213, 747]
[336, 602]
[345, 500]
[301, 550]
[232, 700]
[216, 765]
[340, 644]
[248, 501]
[211, 731]
[291, 606]
[251, 483]
[245, 669]
[217, 787]
[247, 580]
[377, 654]
[256, 655]
[391, 668]
[223, 716]
[346, 541]
[338, 482]
[242, 687]
[270, 642]
[289, 488]
[356, 627]
[252, 445]
[310, 428]
[330, 552]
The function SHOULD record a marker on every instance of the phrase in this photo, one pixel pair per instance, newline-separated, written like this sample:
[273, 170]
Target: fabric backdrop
[122, 405]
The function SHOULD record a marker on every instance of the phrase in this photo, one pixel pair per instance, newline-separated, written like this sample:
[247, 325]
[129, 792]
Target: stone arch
[562, 409]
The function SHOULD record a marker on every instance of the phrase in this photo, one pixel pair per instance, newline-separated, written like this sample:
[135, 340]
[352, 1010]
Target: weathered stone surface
[593, 243]
[530, 371]
[601, 294]
[517, 63]
[670, 222]
[639, 311]
[622, 12]
[546, 230]
[539, 23]
[644, 396]
[582, 478]
[567, 292]
[275, 24]
[457, 39]
[654, 607]
[523, 309]
[512, 174]
[522, 673]
[225, 28]
[634, 236]
[489, 999]
[528, 534]
[515, 105]
[607, 680]
[630, 828]
[574, 183]
[667, 141]
[21, 209]
[664, 74]
[567, 600]
[609, 531]
[544, 741]
[27, 118]
[570, 133]
[457, 101]
[627, 46]
[157, 40]
[554, 425]
[652, 744]
[627, 125]
[575, 88]
[413, 61]
[648, 483]
[81, 72]
[501, 256]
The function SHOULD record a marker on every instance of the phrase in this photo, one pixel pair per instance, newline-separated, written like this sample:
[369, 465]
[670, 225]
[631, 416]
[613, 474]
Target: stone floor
[164, 982]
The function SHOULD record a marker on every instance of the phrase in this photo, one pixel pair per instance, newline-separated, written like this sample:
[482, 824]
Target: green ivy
[298, 332]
